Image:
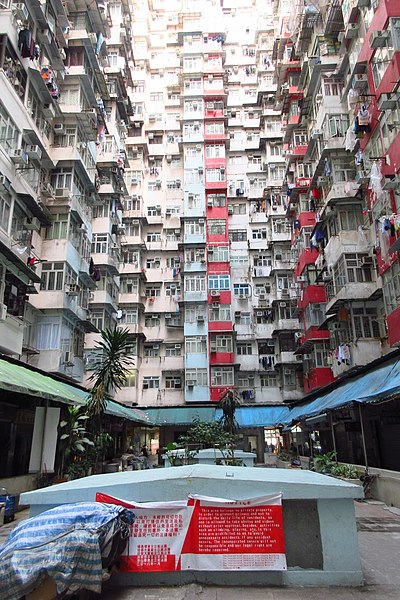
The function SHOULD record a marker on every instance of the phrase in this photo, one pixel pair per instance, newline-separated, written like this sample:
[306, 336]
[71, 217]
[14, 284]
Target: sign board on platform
[205, 534]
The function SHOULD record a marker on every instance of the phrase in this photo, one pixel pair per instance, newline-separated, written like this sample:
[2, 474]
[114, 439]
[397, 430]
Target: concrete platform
[318, 517]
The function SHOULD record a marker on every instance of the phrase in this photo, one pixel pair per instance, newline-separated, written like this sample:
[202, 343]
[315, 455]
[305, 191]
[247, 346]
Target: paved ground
[379, 541]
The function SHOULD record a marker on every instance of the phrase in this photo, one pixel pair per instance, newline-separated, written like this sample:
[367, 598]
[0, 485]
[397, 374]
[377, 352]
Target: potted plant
[75, 444]
[283, 460]
[347, 473]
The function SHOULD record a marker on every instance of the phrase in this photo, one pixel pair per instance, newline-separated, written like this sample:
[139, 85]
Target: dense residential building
[222, 178]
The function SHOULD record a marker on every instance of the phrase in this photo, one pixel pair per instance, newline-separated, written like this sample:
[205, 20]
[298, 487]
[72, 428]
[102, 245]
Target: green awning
[180, 415]
[18, 379]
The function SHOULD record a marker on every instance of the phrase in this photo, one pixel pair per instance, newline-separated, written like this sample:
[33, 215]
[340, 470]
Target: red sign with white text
[205, 534]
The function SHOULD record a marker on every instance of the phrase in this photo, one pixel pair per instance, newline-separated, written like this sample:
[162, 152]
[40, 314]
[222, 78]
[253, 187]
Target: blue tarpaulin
[380, 384]
[259, 416]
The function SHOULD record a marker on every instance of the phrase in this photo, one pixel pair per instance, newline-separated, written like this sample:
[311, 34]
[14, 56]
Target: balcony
[340, 290]
[11, 335]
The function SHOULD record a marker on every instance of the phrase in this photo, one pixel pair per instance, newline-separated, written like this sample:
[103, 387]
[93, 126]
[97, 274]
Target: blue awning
[259, 416]
[379, 384]
[180, 415]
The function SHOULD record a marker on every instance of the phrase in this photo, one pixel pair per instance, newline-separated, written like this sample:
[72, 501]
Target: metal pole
[363, 436]
[333, 437]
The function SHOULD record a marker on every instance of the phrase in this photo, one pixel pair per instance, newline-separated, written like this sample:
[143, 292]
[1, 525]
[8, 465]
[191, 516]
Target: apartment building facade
[185, 169]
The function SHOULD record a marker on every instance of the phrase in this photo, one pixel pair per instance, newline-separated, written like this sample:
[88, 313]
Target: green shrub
[346, 471]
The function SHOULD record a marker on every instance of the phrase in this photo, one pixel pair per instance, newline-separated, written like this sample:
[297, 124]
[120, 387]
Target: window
[289, 378]
[153, 263]
[152, 320]
[222, 376]
[195, 345]
[129, 285]
[58, 228]
[151, 350]
[259, 234]
[131, 316]
[196, 376]
[52, 276]
[238, 235]
[173, 349]
[222, 313]
[153, 291]
[216, 199]
[194, 228]
[173, 382]
[151, 383]
[215, 151]
[241, 289]
[48, 334]
[223, 343]
[218, 282]
[268, 380]
[216, 226]
[244, 349]
[130, 378]
[215, 175]
[8, 130]
[100, 243]
[195, 283]
[262, 260]
[156, 97]
[218, 254]
[172, 289]
[5, 211]
[153, 237]
[237, 209]
[194, 255]
[366, 323]
[97, 319]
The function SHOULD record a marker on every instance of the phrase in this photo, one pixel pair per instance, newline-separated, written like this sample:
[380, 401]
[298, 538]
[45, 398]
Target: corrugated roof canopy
[21, 380]
[383, 382]
[180, 416]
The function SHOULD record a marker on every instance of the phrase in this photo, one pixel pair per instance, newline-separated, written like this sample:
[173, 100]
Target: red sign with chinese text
[211, 534]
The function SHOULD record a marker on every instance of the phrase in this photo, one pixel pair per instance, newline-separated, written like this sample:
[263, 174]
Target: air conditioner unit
[262, 296]
[190, 383]
[351, 31]
[201, 221]
[379, 39]
[316, 133]
[210, 204]
[5, 183]
[200, 318]
[34, 152]
[271, 343]
[282, 304]
[152, 119]
[135, 221]
[259, 313]
[3, 312]
[211, 250]
[322, 181]
[20, 11]
[169, 158]
[19, 157]
[326, 276]
[215, 293]
[156, 346]
[285, 292]
[360, 81]
[32, 224]
[388, 101]
[213, 347]
[62, 192]
[242, 296]
[307, 357]
[230, 209]
[301, 279]
[58, 128]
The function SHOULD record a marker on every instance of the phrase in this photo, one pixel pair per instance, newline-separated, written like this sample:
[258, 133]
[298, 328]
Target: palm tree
[110, 373]
[229, 401]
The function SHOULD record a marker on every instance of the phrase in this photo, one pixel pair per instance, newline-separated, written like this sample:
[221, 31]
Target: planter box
[283, 464]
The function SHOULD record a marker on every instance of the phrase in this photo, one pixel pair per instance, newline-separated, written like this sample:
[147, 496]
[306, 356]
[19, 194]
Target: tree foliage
[110, 373]
[206, 435]
[229, 402]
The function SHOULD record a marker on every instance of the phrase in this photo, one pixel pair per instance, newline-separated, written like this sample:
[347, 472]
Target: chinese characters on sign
[205, 533]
